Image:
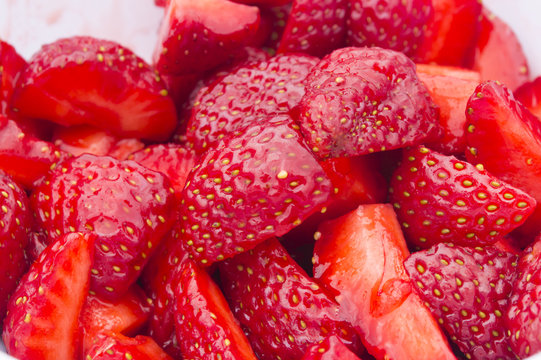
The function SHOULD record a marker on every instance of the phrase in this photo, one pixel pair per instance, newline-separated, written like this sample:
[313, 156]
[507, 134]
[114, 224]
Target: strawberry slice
[467, 290]
[315, 27]
[396, 24]
[250, 93]
[112, 346]
[499, 55]
[128, 207]
[259, 184]
[439, 198]
[42, 319]
[522, 318]
[506, 138]
[196, 36]
[332, 348]
[360, 256]
[11, 67]
[205, 326]
[529, 94]
[282, 310]
[362, 100]
[83, 80]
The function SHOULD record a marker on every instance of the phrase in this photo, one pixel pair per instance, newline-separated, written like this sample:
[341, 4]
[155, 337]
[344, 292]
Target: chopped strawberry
[250, 93]
[360, 256]
[529, 94]
[11, 67]
[83, 80]
[332, 348]
[282, 310]
[42, 319]
[205, 326]
[15, 229]
[259, 184]
[196, 36]
[112, 346]
[129, 207]
[439, 198]
[499, 55]
[396, 24]
[315, 27]
[450, 88]
[362, 100]
[506, 138]
[522, 317]
[467, 290]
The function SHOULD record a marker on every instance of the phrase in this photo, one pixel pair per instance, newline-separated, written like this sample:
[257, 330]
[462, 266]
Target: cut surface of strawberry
[467, 290]
[11, 67]
[439, 198]
[112, 346]
[42, 320]
[363, 100]
[83, 80]
[360, 257]
[332, 348]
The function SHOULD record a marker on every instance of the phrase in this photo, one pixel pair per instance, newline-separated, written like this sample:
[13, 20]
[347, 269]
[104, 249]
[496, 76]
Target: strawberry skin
[128, 207]
[42, 318]
[83, 80]
[11, 67]
[112, 346]
[282, 310]
[332, 348]
[467, 290]
[439, 198]
[363, 100]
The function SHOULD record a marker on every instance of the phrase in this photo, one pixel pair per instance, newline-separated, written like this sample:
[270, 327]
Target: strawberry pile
[288, 179]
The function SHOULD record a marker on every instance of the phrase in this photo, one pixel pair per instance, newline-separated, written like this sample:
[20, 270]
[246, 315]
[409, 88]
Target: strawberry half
[362, 100]
[439, 198]
[83, 80]
[42, 319]
[112, 346]
[332, 348]
[129, 207]
[467, 290]
[11, 67]
[259, 184]
[282, 310]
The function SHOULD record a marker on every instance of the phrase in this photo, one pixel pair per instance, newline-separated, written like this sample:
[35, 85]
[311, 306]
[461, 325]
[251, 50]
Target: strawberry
[506, 138]
[11, 67]
[315, 27]
[42, 318]
[499, 55]
[251, 187]
[195, 36]
[450, 88]
[397, 24]
[360, 257]
[529, 94]
[329, 349]
[439, 198]
[467, 290]
[250, 93]
[522, 317]
[112, 346]
[83, 80]
[205, 326]
[282, 310]
[130, 209]
[361, 100]
[14, 237]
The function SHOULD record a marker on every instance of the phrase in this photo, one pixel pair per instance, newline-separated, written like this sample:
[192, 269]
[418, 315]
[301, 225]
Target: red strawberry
[360, 256]
[196, 36]
[82, 80]
[452, 33]
[362, 100]
[11, 67]
[499, 55]
[205, 326]
[130, 209]
[282, 310]
[42, 318]
[450, 88]
[529, 94]
[439, 198]
[112, 346]
[398, 25]
[315, 27]
[506, 138]
[253, 186]
[250, 93]
[15, 226]
[522, 318]
[467, 290]
[329, 349]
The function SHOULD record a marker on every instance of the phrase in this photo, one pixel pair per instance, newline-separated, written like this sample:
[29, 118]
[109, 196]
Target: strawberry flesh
[332, 348]
[112, 346]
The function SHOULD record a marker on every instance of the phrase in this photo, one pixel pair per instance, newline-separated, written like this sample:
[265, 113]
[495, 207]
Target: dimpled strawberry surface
[277, 179]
